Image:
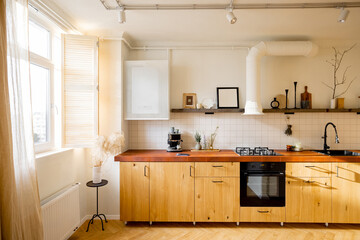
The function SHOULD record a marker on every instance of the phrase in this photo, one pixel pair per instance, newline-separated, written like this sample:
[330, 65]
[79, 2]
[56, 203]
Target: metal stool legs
[97, 213]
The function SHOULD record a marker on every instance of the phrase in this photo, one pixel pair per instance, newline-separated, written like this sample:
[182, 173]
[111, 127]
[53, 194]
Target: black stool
[97, 185]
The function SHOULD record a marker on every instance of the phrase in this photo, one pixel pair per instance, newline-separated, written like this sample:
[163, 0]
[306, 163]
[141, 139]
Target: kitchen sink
[338, 152]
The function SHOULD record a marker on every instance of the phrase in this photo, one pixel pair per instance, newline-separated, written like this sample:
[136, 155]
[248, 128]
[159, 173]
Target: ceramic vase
[197, 146]
[332, 103]
[96, 174]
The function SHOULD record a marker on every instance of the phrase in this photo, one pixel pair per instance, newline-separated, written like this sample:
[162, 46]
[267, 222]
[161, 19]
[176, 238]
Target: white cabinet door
[147, 90]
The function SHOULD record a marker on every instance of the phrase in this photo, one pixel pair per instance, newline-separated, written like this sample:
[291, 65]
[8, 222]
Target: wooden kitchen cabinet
[172, 191]
[346, 193]
[262, 214]
[308, 199]
[217, 199]
[134, 191]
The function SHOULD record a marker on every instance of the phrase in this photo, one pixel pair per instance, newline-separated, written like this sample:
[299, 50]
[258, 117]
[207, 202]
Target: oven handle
[264, 174]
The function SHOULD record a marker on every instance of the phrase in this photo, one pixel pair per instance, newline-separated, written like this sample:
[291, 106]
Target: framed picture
[189, 100]
[227, 97]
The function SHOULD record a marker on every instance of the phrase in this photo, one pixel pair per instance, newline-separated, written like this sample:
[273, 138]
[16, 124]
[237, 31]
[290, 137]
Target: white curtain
[19, 196]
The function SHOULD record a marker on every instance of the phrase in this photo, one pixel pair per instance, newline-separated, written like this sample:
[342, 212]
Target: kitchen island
[156, 185]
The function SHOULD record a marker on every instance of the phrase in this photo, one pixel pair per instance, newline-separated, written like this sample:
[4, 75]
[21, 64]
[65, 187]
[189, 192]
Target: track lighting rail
[234, 6]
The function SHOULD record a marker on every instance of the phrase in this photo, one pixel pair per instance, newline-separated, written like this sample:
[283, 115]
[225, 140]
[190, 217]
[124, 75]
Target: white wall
[111, 55]
[63, 169]
[201, 71]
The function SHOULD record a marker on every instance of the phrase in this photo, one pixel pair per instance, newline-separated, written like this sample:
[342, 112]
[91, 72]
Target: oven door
[262, 189]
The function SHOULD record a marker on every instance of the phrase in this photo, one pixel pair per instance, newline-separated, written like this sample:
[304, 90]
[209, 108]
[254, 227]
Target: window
[45, 73]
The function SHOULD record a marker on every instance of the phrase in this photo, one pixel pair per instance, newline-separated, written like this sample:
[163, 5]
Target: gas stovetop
[257, 151]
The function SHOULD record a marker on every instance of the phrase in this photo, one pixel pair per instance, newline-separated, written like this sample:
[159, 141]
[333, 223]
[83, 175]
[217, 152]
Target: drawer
[217, 169]
[308, 169]
[262, 214]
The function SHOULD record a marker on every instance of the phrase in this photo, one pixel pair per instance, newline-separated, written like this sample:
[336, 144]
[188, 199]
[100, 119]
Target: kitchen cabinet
[308, 192]
[308, 199]
[346, 193]
[134, 191]
[147, 90]
[217, 191]
[172, 191]
[262, 214]
[217, 199]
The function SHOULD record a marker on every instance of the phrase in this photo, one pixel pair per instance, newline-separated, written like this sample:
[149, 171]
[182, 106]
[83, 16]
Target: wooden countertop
[229, 156]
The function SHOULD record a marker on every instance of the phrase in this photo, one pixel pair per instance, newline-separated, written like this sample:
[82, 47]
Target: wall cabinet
[346, 193]
[134, 191]
[172, 191]
[147, 90]
[308, 192]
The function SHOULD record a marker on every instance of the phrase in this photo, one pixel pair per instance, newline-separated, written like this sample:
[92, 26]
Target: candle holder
[295, 83]
[286, 101]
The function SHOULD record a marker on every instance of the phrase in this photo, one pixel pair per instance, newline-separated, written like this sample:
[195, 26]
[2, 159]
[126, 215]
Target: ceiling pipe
[234, 6]
[253, 62]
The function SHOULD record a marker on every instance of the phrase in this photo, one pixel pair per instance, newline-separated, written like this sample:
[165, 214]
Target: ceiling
[211, 26]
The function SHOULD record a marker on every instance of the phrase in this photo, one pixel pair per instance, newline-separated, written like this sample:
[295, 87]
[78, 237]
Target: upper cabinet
[147, 90]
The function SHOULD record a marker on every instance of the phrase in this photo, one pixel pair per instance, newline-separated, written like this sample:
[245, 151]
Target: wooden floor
[116, 229]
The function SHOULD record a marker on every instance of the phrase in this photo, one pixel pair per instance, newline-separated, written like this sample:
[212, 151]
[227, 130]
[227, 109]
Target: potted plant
[197, 137]
[336, 63]
[105, 148]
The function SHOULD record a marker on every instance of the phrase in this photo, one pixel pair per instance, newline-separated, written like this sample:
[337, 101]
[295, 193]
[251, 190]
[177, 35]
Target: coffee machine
[174, 140]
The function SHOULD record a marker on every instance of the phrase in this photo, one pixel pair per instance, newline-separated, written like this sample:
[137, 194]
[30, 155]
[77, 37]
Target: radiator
[61, 213]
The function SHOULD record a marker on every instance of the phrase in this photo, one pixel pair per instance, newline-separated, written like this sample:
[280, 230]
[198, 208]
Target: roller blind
[80, 90]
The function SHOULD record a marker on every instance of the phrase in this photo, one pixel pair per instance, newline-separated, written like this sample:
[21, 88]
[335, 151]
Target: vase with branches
[105, 148]
[339, 80]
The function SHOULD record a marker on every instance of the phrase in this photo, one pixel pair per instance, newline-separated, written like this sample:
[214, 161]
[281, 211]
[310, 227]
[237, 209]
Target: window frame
[47, 63]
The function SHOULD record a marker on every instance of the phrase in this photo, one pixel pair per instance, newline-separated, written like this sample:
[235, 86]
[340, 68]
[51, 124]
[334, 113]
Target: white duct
[253, 60]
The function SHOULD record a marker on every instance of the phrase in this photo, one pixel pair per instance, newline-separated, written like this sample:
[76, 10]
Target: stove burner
[257, 151]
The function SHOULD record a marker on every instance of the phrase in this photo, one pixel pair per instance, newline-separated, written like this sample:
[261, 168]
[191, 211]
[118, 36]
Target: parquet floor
[116, 229]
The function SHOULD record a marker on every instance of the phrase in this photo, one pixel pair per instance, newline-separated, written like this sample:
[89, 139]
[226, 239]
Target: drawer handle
[217, 181]
[144, 171]
[309, 181]
[262, 211]
[310, 166]
[337, 171]
[190, 171]
[218, 166]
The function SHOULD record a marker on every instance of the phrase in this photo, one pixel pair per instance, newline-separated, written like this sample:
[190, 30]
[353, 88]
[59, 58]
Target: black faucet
[326, 147]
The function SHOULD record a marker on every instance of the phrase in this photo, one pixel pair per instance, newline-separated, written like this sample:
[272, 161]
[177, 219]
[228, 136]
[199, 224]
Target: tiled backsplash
[238, 130]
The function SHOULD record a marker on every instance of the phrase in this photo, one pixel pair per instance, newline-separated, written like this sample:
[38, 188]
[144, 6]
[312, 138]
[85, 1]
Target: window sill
[52, 153]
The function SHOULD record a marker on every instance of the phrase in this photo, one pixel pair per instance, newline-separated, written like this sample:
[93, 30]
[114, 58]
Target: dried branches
[336, 63]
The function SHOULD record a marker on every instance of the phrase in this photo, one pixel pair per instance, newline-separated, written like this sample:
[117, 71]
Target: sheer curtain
[20, 216]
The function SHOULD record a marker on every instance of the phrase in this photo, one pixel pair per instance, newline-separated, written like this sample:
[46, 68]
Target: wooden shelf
[285, 111]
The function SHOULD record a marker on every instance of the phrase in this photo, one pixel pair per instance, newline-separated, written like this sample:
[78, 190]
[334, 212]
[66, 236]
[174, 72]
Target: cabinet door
[172, 191]
[217, 199]
[308, 199]
[346, 193]
[134, 191]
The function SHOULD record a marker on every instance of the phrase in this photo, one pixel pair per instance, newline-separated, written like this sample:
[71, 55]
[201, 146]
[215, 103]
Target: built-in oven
[262, 184]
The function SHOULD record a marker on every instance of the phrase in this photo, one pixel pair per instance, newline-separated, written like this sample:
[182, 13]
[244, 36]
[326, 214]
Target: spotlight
[343, 15]
[121, 16]
[231, 17]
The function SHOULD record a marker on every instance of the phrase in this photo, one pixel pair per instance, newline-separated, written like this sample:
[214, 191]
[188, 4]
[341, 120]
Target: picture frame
[227, 97]
[189, 100]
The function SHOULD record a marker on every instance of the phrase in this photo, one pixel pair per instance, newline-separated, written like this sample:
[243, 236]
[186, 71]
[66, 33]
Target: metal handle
[308, 181]
[217, 181]
[260, 211]
[310, 166]
[337, 171]
[190, 171]
[217, 166]
[145, 171]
